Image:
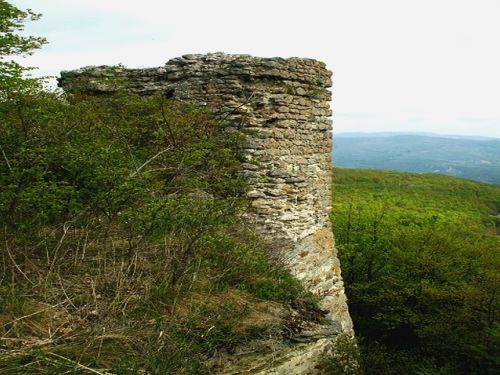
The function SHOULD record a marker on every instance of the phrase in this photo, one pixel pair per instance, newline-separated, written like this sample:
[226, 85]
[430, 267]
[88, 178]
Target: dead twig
[32, 314]
[15, 264]
[58, 247]
[65, 294]
[133, 174]
[6, 159]
[79, 365]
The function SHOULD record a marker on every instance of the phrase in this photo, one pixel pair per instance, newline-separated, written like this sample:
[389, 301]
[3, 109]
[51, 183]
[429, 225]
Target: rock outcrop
[285, 105]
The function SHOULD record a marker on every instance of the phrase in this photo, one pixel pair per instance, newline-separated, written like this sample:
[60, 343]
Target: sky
[398, 65]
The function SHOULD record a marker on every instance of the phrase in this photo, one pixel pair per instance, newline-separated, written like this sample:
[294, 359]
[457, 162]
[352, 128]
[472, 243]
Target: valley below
[475, 158]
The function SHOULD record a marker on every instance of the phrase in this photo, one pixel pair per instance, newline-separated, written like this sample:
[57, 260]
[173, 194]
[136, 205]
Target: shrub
[121, 241]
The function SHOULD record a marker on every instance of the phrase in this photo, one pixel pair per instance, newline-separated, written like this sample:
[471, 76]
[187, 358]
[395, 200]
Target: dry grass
[90, 306]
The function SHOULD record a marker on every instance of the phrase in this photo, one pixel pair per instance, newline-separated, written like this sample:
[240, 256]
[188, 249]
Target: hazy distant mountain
[423, 134]
[476, 158]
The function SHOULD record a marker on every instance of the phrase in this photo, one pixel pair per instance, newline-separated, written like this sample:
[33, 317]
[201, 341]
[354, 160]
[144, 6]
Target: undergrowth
[122, 250]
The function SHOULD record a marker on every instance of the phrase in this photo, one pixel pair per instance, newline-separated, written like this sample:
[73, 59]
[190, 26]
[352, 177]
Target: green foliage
[345, 358]
[104, 157]
[121, 242]
[420, 259]
[12, 74]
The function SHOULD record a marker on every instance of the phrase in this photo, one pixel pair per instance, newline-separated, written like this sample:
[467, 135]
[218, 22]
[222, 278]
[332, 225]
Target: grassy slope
[117, 256]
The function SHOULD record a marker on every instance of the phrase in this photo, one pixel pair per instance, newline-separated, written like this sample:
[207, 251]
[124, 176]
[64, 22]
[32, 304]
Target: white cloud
[407, 65]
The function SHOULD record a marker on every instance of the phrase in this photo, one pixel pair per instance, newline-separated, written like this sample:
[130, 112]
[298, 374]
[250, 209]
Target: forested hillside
[420, 257]
[466, 157]
[123, 249]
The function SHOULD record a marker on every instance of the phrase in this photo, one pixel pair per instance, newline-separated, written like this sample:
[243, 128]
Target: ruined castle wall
[285, 105]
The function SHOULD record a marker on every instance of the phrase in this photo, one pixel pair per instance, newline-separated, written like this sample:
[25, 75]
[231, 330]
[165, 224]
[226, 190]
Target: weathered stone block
[287, 102]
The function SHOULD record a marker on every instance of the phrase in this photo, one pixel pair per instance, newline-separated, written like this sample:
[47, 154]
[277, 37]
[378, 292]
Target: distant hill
[475, 158]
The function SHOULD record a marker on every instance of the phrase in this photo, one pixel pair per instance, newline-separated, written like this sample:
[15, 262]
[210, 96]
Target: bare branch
[133, 174]
[32, 314]
[79, 365]
[15, 264]
[6, 159]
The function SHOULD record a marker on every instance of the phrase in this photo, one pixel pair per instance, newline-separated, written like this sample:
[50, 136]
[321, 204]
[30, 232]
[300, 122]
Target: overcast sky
[398, 65]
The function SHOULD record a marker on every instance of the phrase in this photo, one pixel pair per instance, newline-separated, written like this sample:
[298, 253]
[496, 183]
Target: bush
[121, 241]
[345, 358]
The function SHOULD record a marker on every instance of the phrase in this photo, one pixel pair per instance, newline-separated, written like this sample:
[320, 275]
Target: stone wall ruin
[286, 105]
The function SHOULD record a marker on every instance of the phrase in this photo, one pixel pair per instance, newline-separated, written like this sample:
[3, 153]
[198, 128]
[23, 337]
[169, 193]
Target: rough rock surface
[285, 104]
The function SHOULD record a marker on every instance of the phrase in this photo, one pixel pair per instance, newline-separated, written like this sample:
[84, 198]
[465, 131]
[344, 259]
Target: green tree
[420, 260]
[12, 43]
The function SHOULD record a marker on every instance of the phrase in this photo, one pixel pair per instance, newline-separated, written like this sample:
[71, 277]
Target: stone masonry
[284, 103]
